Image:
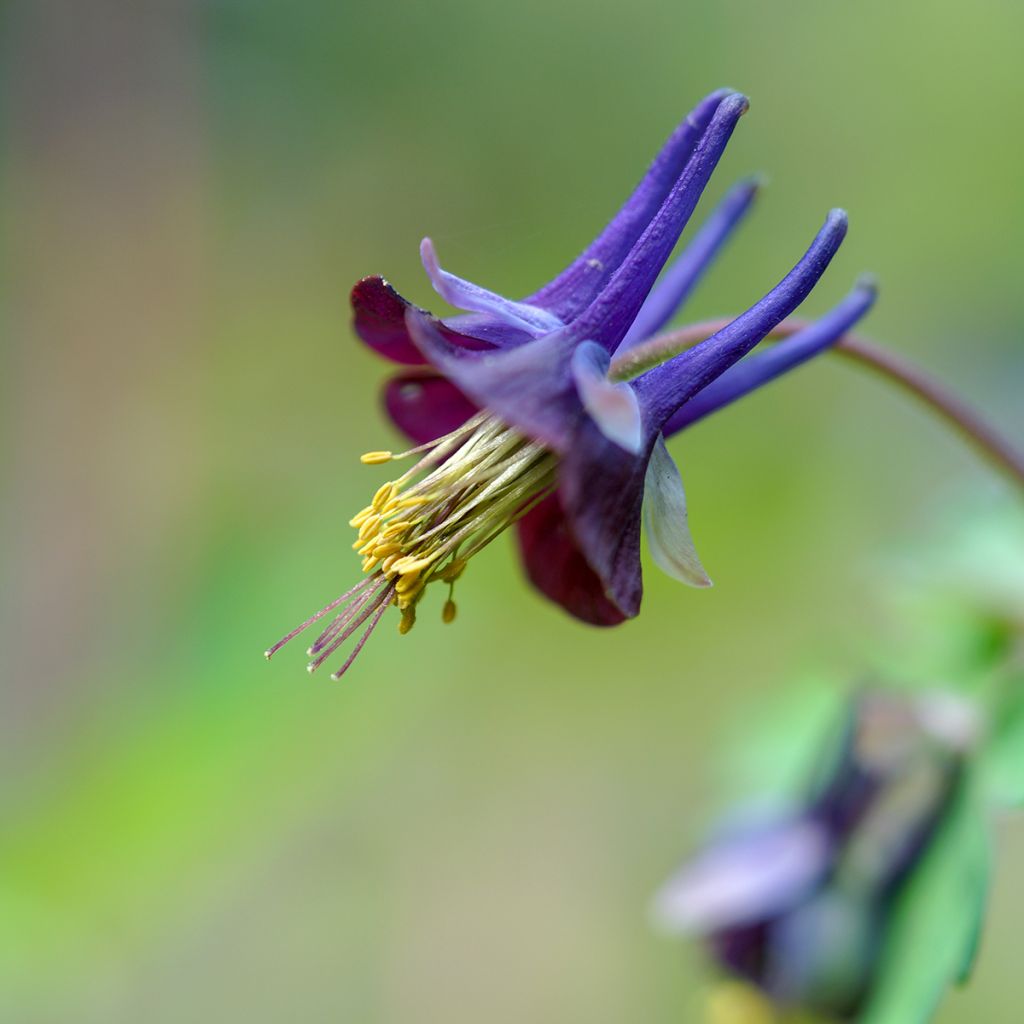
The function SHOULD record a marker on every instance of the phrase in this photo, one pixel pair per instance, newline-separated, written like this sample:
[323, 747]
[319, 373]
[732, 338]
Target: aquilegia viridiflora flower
[519, 415]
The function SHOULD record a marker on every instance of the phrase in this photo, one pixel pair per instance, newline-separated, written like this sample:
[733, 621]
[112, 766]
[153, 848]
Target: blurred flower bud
[801, 905]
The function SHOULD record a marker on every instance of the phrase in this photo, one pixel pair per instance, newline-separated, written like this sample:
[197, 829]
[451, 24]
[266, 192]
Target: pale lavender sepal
[463, 294]
[612, 406]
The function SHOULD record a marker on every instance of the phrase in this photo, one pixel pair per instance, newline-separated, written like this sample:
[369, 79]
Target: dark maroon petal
[380, 321]
[425, 406]
[557, 568]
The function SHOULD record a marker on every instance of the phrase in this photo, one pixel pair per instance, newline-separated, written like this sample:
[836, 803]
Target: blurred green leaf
[934, 934]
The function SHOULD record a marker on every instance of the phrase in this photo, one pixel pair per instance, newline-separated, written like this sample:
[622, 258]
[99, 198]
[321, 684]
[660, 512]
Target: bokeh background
[471, 825]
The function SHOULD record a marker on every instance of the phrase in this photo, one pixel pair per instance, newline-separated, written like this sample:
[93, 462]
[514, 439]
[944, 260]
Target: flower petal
[665, 388]
[679, 280]
[579, 284]
[601, 487]
[557, 567]
[756, 370]
[463, 294]
[425, 406]
[665, 520]
[607, 319]
[530, 387]
[612, 406]
[380, 322]
[744, 879]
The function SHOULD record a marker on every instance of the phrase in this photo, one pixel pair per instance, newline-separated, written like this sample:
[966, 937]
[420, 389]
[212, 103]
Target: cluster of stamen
[423, 527]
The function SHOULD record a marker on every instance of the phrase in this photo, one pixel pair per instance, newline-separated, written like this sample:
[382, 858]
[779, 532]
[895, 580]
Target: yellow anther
[408, 566]
[453, 570]
[375, 458]
[384, 494]
[408, 620]
[387, 548]
[407, 583]
[412, 502]
[370, 525]
[385, 566]
[397, 527]
[369, 562]
[448, 612]
[368, 548]
[360, 517]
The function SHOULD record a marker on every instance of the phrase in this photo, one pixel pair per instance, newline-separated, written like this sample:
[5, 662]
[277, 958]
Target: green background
[470, 826]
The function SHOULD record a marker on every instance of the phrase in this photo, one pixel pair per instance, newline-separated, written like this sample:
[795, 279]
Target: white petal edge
[665, 520]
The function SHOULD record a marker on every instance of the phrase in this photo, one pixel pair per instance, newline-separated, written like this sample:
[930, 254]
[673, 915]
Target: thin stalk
[957, 413]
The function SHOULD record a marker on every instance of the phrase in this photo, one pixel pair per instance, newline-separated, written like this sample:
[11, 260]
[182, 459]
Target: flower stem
[957, 413]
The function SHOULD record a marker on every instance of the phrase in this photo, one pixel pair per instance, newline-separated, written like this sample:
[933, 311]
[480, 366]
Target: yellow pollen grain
[375, 458]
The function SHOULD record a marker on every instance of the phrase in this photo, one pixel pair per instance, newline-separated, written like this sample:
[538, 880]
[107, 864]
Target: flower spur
[540, 412]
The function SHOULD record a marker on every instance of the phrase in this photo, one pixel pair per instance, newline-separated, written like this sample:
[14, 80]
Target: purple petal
[607, 319]
[744, 879]
[464, 294]
[676, 284]
[601, 487]
[612, 406]
[425, 406]
[665, 521]
[665, 388]
[557, 567]
[579, 284]
[529, 388]
[751, 373]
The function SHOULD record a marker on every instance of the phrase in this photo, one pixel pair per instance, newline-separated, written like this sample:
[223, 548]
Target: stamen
[461, 492]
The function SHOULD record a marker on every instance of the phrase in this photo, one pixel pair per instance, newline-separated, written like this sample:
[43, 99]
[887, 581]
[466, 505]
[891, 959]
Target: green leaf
[933, 936]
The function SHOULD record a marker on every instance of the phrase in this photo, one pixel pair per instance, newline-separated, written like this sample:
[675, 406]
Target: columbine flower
[803, 905]
[543, 412]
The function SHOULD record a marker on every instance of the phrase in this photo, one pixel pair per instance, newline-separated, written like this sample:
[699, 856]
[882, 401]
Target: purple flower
[800, 904]
[532, 411]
